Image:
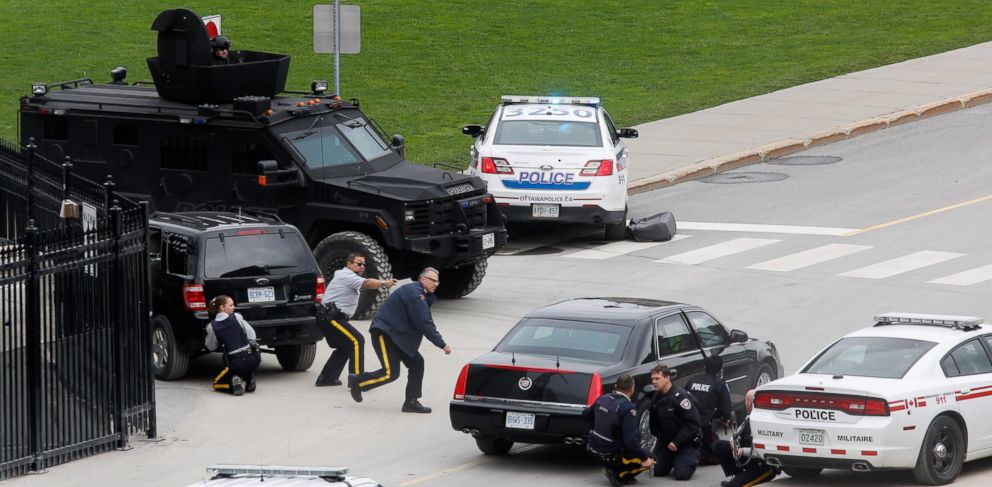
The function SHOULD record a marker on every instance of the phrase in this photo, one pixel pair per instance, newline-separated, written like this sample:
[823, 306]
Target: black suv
[218, 138]
[261, 262]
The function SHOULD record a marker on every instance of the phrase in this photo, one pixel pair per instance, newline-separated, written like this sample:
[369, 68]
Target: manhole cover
[744, 177]
[805, 160]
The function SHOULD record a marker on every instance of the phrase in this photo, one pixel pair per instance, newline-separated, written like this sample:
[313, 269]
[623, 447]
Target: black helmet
[221, 42]
[713, 364]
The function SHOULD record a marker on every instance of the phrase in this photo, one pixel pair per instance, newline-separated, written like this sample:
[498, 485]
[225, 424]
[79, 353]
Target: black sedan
[557, 360]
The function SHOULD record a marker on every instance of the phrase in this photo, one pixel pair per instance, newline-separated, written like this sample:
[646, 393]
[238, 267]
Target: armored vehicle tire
[493, 446]
[296, 358]
[168, 361]
[459, 282]
[332, 254]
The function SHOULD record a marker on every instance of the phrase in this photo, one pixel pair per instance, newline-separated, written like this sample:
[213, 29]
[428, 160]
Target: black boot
[414, 406]
[356, 392]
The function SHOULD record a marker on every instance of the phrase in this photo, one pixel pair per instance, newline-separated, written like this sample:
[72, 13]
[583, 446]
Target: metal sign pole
[337, 47]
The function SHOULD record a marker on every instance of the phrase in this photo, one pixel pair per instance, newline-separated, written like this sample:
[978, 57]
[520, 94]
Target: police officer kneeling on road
[746, 470]
[711, 391]
[615, 437]
[675, 421]
[236, 338]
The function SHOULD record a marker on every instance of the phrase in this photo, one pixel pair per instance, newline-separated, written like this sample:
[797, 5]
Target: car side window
[178, 256]
[710, 331]
[612, 128]
[674, 336]
[969, 358]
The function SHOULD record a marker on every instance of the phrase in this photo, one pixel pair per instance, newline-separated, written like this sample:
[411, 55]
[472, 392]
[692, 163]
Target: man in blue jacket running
[397, 330]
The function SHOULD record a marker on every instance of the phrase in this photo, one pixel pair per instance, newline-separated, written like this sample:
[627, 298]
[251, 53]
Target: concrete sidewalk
[764, 127]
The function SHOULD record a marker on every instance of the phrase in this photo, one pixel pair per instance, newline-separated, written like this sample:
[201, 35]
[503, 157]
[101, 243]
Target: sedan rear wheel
[765, 375]
[493, 446]
[941, 454]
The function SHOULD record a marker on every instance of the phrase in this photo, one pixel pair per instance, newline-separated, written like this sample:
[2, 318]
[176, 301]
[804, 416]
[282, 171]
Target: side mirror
[627, 133]
[399, 145]
[473, 130]
[737, 336]
[270, 176]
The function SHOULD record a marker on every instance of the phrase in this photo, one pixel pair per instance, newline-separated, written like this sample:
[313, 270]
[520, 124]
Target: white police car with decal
[911, 392]
[548, 158]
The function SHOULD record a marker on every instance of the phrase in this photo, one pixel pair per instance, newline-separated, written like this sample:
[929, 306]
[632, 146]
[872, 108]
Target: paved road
[823, 269]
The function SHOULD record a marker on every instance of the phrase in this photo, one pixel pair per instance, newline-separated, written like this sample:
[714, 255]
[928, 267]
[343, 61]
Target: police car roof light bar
[263, 470]
[951, 321]
[553, 100]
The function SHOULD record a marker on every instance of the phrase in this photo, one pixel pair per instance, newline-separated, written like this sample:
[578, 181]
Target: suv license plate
[261, 294]
[811, 437]
[538, 210]
[488, 241]
[523, 421]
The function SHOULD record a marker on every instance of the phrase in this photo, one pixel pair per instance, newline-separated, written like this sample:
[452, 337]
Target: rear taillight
[598, 168]
[853, 405]
[460, 385]
[193, 297]
[595, 389]
[495, 165]
[319, 288]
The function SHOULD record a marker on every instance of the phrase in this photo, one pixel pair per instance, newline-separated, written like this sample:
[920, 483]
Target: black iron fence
[75, 376]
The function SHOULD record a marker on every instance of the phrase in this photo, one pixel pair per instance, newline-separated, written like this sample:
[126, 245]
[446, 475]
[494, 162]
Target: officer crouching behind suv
[615, 437]
[675, 421]
[236, 338]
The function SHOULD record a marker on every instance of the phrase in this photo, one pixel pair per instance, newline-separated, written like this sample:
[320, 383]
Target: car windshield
[342, 143]
[268, 254]
[883, 357]
[563, 338]
[362, 136]
[548, 132]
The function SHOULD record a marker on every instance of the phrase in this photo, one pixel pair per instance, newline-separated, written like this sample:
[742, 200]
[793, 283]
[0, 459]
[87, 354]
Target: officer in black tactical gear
[675, 421]
[744, 468]
[222, 51]
[615, 436]
[236, 338]
[713, 396]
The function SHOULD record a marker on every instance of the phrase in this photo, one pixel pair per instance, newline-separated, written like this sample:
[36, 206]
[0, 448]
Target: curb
[785, 147]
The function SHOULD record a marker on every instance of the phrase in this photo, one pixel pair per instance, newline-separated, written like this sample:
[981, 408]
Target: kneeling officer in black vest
[615, 437]
[236, 338]
[713, 395]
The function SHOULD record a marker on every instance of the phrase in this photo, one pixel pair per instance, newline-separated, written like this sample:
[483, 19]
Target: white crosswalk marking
[716, 251]
[760, 228]
[620, 248]
[902, 264]
[966, 278]
[809, 257]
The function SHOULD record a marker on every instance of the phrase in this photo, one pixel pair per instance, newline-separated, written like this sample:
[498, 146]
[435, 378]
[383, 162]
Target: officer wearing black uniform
[713, 396]
[754, 471]
[221, 46]
[675, 421]
[615, 436]
[230, 332]
[399, 327]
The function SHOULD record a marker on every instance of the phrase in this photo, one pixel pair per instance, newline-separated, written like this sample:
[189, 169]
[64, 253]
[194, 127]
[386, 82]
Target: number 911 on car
[911, 392]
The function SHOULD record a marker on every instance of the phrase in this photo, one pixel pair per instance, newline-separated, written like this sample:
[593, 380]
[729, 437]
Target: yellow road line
[458, 468]
[919, 215]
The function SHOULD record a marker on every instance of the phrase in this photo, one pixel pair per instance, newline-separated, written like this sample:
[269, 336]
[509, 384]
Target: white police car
[548, 158]
[912, 392]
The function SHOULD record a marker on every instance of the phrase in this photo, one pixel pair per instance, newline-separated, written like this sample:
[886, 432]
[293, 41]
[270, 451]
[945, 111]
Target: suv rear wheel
[296, 358]
[460, 281]
[332, 254]
[168, 361]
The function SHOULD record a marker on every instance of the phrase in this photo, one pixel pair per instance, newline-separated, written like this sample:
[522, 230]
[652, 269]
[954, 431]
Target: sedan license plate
[539, 210]
[488, 241]
[811, 437]
[523, 421]
[261, 294]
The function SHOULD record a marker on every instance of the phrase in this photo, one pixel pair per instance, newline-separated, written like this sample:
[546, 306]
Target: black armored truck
[227, 137]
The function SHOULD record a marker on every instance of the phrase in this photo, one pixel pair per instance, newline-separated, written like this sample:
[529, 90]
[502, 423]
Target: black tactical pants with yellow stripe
[390, 356]
[348, 345]
[623, 465]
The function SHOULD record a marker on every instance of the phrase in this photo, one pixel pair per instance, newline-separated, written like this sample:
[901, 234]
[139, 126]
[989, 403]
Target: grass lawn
[427, 68]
